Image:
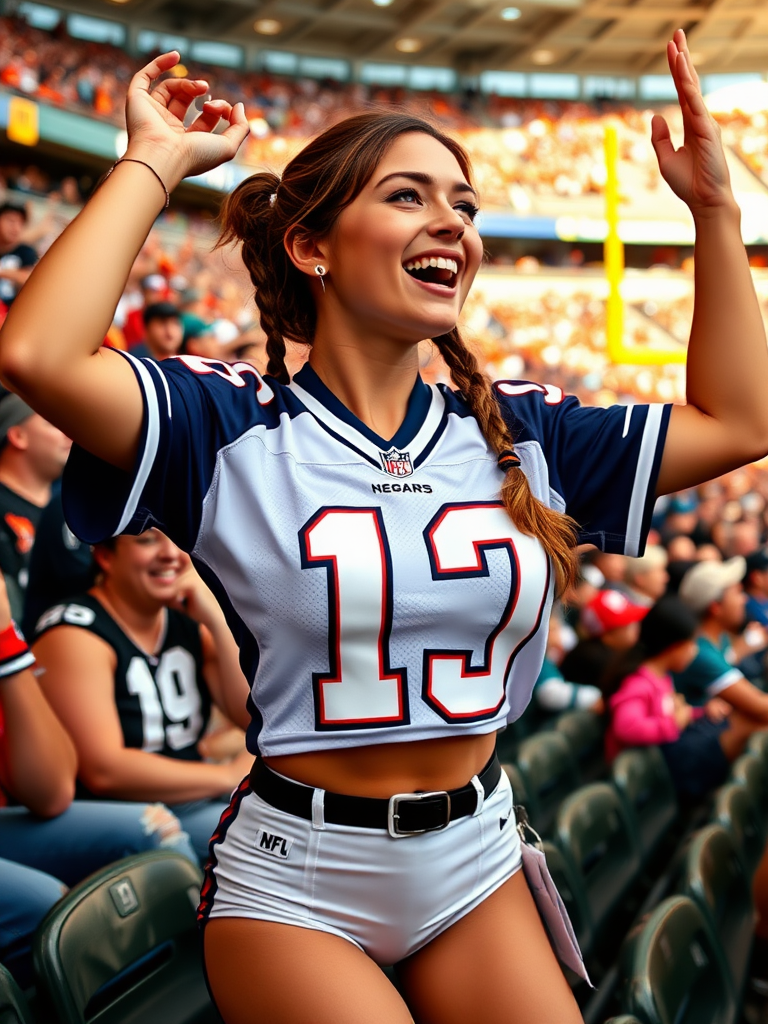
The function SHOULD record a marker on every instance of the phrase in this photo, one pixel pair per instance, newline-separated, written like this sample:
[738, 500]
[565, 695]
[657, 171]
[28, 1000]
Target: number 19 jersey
[376, 587]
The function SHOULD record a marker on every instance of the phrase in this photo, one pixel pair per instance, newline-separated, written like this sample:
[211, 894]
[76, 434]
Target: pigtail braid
[556, 531]
[248, 215]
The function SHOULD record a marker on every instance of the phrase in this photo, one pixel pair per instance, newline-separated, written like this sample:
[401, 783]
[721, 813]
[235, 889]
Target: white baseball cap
[706, 582]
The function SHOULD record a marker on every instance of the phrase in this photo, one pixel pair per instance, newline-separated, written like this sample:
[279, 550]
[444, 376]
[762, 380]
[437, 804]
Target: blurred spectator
[154, 290]
[133, 678]
[16, 258]
[552, 692]
[681, 548]
[644, 708]
[163, 332]
[713, 591]
[681, 517]
[646, 578]
[32, 457]
[60, 564]
[589, 581]
[47, 841]
[610, 624]
[756, 586]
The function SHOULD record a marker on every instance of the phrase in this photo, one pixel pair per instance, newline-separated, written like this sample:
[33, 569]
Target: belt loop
[318, 809]
[480, 795]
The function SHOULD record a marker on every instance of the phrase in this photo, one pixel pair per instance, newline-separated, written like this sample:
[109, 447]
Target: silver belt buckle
[393, 816]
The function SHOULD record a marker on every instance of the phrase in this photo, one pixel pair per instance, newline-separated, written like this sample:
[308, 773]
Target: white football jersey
[377, 589]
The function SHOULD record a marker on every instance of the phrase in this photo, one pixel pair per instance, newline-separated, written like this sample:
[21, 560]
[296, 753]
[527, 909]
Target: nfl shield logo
[396, 463]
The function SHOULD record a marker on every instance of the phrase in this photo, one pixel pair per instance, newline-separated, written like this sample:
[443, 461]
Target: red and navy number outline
[480, 569]
[334, 637]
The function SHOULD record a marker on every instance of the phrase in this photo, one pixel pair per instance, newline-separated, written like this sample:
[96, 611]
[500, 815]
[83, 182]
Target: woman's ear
[306, 252]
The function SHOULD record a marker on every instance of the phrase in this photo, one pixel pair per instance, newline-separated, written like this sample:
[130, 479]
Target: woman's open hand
[697, 171]
[155, 123]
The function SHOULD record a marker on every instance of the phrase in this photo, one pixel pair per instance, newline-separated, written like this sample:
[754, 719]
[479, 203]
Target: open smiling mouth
[434, 270]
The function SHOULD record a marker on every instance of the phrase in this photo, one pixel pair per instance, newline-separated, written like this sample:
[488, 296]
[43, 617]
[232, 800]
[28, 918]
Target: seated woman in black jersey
[133, 678]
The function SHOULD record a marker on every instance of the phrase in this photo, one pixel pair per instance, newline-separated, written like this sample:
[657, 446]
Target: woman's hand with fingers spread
[697, 171]
[155, 123]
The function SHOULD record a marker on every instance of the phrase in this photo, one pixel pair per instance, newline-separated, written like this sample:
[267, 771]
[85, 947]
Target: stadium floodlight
[382, 3]
[267, 27]
[509, 13]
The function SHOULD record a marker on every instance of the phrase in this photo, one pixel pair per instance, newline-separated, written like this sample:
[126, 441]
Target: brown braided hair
[320, 182]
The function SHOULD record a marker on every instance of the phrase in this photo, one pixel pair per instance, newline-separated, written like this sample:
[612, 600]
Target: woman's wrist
[15, 655]
[725, 211]
[167, 164]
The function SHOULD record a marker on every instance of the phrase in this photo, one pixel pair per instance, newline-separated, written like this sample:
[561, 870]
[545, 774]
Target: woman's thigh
[265, 973]
[493, 966]
[88, 836]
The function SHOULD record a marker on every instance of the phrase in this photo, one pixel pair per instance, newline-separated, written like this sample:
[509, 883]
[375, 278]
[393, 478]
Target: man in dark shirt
[164, 332]
[32, 456]
[16, 259]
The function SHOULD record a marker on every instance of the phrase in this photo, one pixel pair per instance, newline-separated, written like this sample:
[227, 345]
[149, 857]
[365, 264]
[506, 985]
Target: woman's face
[416, 210]
[145, 569]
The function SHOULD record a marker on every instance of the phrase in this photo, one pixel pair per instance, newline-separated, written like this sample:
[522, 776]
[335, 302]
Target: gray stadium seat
[642, 778]
[673, 969]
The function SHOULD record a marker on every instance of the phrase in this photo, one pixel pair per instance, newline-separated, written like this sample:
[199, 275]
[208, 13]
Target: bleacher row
[666, 888]
[660, 895]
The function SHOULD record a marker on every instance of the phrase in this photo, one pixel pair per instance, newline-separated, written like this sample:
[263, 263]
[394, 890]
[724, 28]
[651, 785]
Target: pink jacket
[642, 712]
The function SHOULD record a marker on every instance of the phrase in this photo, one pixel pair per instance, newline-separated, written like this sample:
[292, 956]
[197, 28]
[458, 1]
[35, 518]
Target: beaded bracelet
[133, 160]
[15, 654]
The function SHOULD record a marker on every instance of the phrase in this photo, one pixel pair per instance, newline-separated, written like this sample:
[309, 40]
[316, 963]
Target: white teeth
[433, 261]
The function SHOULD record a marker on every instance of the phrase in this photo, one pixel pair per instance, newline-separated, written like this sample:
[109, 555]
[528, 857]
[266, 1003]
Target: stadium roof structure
[615, 37]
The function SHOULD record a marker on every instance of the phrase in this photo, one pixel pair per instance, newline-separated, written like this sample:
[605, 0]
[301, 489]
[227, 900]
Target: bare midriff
[387, 768]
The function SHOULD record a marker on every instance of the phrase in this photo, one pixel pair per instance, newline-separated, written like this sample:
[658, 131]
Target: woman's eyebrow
[426, 179]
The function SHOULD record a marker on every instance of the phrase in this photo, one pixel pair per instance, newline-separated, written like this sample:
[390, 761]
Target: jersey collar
[423, 418]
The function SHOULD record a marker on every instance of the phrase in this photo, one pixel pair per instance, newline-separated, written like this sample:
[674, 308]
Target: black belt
[404, 814]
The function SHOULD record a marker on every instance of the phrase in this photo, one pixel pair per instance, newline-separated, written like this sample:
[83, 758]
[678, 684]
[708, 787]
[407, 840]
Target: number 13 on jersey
[362, 689]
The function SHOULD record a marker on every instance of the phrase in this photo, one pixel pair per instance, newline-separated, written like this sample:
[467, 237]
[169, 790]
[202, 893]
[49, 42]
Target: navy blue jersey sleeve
[602, 464]
[193, 407]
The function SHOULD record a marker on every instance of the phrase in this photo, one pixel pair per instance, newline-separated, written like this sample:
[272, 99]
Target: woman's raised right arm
[50, 344]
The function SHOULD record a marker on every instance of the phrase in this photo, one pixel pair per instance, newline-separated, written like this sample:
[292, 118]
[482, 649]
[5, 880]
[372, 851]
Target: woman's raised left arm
[724, 423]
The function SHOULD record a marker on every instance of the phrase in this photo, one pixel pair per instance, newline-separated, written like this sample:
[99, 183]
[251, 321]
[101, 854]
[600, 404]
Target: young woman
[386, 552]
[644, 709]
[133, 678]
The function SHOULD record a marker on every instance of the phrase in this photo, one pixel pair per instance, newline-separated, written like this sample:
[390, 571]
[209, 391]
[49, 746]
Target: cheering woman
[385, 552]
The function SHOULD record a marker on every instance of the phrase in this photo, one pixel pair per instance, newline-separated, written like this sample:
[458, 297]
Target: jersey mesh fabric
[377, 588]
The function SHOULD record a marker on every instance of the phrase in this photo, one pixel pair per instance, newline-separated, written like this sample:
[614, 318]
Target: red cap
[610, 609]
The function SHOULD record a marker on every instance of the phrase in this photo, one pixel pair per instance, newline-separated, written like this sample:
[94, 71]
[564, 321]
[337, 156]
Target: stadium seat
[758, 744]
[735, 810]
[751, 771]
[574, 897]
[549, 773]
[13, 1005]
[673, 970]
[595, 836]
[642, 778]
[714, 878]
[528, 724]
[123, 946]
[519, 792]
[585, 731]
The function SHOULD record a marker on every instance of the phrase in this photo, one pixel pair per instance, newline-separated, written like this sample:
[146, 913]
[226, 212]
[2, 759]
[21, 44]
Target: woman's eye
[405, 195]
[469, 210]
